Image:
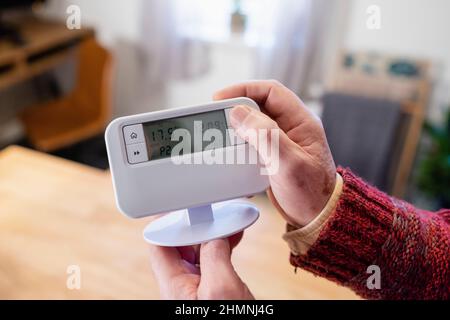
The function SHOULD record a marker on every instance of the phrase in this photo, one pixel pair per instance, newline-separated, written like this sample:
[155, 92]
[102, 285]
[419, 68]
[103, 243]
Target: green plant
[237, 6]
[434, 171]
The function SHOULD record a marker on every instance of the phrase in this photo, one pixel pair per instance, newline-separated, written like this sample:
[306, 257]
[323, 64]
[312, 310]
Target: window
[210, 20]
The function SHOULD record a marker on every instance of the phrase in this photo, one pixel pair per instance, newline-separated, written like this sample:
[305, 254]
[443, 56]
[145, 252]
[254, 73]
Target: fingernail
[238, 115]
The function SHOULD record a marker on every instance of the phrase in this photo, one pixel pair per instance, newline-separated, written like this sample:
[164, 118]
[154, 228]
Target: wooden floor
[55, 213]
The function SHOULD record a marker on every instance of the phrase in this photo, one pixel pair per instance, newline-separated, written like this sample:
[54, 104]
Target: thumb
[215, 259]
[252, 125]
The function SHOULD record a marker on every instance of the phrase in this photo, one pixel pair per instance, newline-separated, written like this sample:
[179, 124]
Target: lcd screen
[159, 134]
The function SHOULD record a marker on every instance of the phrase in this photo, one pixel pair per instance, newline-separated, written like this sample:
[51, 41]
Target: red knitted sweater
[410, 246]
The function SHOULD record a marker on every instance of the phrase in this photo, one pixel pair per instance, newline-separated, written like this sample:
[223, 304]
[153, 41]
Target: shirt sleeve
[301, 239]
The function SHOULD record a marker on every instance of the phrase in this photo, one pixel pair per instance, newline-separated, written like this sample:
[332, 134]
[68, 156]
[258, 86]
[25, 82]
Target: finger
[191, 268]
[215, 262]
[249, 122]
[189, 254]
[166, 263]
[280, 103]
[235, 239]
[255, 90]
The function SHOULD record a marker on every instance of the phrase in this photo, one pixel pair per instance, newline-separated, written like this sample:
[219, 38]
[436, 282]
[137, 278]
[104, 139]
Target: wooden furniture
[47, 44]
[83, 113]
[55, 213]
[368, 76]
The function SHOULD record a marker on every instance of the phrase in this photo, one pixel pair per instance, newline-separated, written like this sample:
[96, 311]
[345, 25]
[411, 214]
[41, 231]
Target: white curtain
[291, 51]
[171, 53]
[289, 35]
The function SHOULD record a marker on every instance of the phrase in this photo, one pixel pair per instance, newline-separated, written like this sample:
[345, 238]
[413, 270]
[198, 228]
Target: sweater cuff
[300, 240]
[353, 237]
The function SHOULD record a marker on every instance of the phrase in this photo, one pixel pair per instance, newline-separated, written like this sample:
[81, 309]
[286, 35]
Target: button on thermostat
[137, 153]
[133, 134]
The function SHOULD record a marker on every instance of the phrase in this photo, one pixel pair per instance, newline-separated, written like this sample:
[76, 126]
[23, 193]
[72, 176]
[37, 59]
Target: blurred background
[377, 72]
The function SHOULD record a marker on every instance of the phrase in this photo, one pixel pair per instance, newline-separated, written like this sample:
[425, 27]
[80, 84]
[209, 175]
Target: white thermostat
[186, 161]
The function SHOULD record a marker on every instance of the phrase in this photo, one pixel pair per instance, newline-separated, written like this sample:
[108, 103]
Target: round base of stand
[202, 224]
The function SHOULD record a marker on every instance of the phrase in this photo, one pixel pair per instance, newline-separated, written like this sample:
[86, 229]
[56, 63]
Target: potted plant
[434, 170]
[238, 18]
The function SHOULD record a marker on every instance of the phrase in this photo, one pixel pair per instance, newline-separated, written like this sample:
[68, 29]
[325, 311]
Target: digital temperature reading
[158, 134]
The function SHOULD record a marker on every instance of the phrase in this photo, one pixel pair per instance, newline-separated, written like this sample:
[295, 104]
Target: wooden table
[55, 213]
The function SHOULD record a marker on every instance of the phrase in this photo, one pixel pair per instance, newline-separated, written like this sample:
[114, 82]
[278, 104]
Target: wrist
[319, 198]
[301, 239]
[307, 204]
[302, 217]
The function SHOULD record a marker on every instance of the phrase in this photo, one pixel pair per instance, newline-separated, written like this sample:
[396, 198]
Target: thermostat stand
[201, 224]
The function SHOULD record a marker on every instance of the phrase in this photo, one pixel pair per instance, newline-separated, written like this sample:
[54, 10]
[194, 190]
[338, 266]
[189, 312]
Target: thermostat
[186, 161]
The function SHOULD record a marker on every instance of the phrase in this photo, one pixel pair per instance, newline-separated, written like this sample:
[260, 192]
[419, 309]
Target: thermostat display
[159, 134]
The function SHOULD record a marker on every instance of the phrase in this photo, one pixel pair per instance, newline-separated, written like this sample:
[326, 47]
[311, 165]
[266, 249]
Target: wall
[414, 28]
[230, 62]
[112, 19]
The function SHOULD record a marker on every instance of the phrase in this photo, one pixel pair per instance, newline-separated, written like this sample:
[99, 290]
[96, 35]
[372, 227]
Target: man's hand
[198, 272]
[300, 190]
[307, 173]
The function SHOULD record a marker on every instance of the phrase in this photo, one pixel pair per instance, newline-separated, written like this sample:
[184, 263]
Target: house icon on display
[133, 135]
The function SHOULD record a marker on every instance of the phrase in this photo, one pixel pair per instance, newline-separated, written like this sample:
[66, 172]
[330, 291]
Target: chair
[81, 114]
[368, 74]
